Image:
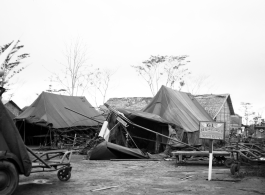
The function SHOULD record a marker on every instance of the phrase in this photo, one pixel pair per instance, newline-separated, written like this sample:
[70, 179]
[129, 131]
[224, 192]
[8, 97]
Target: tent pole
[131, 138]
[157, 144]
[24, 131]
[50, 136]
[84, 115]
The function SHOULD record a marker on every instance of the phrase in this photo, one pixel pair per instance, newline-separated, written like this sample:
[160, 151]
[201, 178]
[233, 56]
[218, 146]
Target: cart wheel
[64, 174]
[228, 162]
[8, 177]
[234, 169]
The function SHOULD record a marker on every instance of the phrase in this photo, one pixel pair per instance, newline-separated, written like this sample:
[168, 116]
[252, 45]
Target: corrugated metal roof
[179, 108]
[50, 108]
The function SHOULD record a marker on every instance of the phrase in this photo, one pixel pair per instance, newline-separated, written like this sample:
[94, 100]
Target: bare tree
[76, 74]
[247, 111]
[199, 84]
[163, 70]
[101, 82]
[12, 64]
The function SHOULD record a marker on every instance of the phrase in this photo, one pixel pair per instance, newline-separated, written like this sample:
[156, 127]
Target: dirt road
[139, 177]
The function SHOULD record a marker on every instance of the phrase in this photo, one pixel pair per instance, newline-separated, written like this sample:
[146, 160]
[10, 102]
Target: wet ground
[140, 177]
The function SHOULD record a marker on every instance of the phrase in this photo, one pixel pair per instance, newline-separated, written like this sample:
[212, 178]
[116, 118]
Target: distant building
[259, 131]
[12, 107]
[219, 107]
[132, 103]
[236, 122]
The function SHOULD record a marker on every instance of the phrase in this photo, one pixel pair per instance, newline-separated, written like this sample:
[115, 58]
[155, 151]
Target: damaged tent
[182, 109]
[47, 118]
[133, 136]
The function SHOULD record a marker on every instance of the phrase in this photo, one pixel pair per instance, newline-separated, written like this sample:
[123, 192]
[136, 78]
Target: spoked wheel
[228, 162]
[234, 169]
[8, 178]
[64, 174]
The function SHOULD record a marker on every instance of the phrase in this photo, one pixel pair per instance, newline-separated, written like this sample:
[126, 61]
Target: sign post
[210, 160]
[211, 131]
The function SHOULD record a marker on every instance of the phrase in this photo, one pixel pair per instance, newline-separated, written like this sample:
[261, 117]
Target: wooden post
[74, 141]
[210, 159]
[50, 136]
[157, 143]
[24, 132]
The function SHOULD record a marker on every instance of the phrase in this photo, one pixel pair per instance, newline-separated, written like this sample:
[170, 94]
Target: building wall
[12, 109]
[224, 116]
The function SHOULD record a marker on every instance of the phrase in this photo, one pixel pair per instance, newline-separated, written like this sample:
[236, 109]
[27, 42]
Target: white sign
[212, 130]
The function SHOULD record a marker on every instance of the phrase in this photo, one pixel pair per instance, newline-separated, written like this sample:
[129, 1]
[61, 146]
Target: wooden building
[12, 107]
[219, 107]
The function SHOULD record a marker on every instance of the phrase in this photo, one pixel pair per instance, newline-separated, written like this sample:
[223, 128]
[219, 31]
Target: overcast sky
[223, 39]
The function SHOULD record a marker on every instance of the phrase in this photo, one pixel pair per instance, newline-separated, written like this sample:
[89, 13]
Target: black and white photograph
[132, 97]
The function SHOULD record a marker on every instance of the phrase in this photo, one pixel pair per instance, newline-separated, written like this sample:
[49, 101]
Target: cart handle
[48, 166]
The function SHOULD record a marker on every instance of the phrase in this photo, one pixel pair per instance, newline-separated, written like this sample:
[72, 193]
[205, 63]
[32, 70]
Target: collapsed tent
[10, 141]
[49, 114]
[182, 109]
[133, 136]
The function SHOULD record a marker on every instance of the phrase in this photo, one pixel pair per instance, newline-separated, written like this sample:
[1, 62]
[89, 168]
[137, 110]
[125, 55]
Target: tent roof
[131, 114]
[49, 109]
[179, 108]
[214, 103]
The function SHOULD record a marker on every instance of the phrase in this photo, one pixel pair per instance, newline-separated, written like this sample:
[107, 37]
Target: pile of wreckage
[170, 120]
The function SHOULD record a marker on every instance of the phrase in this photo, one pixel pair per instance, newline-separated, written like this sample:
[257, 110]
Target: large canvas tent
[182, 109]
[48, 113]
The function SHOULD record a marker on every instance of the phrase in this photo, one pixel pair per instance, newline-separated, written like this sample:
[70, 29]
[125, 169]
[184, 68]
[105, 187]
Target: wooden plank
[201, 153]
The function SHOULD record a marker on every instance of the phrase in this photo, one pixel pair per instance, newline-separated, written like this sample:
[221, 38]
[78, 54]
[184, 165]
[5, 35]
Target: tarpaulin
[11, 141]
[50, 110]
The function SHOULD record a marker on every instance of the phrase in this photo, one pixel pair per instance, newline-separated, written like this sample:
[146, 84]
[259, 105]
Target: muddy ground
[140, 177]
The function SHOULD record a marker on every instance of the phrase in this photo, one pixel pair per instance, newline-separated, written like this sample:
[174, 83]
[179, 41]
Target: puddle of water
[36, 181]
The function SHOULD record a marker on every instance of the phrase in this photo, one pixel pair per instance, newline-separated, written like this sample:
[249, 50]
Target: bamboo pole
[84, 115]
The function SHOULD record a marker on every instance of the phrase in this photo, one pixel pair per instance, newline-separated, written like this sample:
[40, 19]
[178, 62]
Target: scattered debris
[91, 144]
[104, 188]
[187, 177]
[229, 180]
[153, 159]
[36, 181]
